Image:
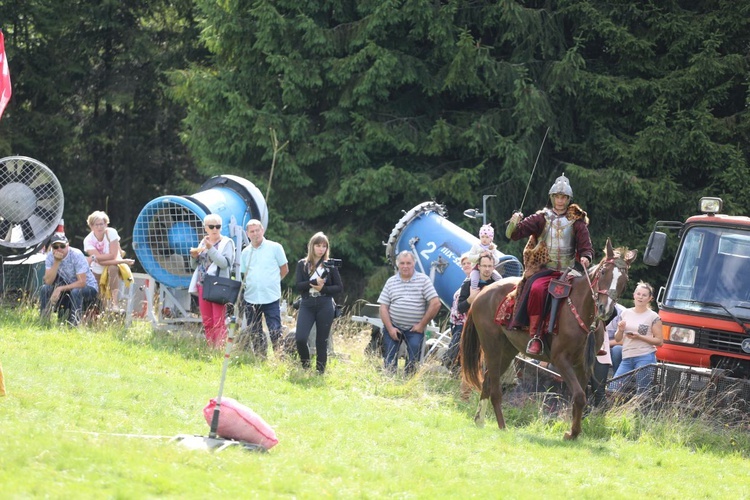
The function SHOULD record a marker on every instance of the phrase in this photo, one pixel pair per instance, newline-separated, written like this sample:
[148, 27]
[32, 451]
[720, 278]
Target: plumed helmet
[487, 230]
[561, 186]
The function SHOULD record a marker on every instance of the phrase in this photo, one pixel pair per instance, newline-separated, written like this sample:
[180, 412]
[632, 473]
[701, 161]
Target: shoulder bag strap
[314, 269]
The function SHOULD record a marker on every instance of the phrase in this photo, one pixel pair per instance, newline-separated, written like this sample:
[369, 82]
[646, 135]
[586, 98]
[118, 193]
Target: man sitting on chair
[408, 302]
[68, 280]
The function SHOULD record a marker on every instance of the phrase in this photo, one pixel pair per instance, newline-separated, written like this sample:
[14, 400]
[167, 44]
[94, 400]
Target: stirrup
[529, 349]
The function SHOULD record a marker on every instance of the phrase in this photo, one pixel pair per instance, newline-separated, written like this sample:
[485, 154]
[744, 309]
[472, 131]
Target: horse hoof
[479, 423]
[569, 437]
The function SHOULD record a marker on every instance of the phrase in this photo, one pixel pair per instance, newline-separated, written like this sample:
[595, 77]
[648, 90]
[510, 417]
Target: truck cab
[705, 304]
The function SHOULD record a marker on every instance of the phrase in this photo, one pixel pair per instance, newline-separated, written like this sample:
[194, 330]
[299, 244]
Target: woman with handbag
[214, 256]
[102, 245]
[318, 282]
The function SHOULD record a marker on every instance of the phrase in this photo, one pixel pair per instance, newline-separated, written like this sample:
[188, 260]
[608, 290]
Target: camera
[332, 263]
[327, 264]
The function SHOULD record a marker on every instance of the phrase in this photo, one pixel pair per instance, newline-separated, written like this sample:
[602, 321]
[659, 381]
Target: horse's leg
[572, 379]
[579, 403]
[496, 367]
[493, 354]
[482, 406]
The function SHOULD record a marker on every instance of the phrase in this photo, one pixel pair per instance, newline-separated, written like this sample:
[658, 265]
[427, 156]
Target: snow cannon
[31, 209]
[437, 245]
[31, 206]
[169, 226]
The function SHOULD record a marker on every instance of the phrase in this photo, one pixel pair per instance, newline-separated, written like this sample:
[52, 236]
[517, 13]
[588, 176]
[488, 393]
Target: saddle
[558, 289]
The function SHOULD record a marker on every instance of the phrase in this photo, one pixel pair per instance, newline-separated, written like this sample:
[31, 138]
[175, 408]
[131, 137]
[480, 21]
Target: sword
[533, 170]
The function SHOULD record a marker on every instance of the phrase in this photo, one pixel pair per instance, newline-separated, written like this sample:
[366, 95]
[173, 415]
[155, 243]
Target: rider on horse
[559, 234]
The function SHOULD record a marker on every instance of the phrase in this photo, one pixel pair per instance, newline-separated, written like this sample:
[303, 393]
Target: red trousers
[538, 293]
[213, 316]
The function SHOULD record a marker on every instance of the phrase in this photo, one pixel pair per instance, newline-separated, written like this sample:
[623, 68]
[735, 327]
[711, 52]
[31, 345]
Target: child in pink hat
[485, 245]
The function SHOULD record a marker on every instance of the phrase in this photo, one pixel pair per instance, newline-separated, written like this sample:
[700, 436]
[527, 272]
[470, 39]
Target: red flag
[4, 77]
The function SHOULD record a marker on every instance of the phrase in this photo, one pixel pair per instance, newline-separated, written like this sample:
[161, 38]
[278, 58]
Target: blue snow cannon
[169, 226]
[437, 245]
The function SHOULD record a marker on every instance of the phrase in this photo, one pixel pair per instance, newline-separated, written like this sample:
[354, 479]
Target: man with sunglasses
[68, 280]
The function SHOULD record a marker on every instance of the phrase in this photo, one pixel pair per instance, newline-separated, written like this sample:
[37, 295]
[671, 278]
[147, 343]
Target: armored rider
[561, 229]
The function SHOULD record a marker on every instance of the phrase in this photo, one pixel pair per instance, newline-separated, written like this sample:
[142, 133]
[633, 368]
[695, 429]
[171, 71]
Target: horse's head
[610, 277]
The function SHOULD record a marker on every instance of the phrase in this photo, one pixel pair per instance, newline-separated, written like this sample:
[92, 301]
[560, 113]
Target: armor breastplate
[560, 239]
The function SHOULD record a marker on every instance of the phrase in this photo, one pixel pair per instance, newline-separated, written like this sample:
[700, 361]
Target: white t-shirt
[91, 243]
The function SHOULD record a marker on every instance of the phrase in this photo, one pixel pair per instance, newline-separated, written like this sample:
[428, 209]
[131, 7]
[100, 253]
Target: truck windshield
[712, 268]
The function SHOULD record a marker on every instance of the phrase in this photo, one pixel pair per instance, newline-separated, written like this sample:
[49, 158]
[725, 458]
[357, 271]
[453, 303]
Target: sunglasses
[213, 226]
[59, 246]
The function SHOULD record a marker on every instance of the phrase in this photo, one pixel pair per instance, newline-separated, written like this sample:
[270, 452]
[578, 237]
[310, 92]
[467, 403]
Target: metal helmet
[561, 186]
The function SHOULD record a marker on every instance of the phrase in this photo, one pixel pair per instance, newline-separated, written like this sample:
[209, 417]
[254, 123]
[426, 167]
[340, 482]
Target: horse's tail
[471, 353]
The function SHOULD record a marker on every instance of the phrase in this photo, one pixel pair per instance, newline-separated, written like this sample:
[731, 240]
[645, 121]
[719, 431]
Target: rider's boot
[534, 346]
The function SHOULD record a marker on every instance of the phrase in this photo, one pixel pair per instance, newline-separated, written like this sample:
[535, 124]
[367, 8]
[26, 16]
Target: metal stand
[213, 442]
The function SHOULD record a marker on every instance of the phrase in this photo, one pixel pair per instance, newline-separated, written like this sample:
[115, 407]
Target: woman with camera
[318, 281]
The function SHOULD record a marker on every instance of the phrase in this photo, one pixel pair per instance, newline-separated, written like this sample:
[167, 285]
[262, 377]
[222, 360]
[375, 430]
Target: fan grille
[162, 237]
[31, 202]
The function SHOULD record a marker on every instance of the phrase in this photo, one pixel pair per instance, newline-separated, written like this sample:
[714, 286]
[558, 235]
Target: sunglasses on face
[213, 226]
[58, 246]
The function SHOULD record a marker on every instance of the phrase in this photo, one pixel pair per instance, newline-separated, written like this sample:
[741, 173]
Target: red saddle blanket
[505, 310]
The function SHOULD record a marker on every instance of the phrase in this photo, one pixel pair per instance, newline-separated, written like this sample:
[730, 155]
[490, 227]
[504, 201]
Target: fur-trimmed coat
[534, 225]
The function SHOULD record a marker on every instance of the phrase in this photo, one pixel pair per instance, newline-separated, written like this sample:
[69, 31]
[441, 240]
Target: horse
[580, 332]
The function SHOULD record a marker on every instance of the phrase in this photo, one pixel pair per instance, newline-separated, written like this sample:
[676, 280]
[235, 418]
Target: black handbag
[220, 290]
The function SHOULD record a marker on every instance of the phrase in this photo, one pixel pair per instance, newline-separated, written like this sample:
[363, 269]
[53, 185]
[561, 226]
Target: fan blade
[45, 191]
[44, 213]
[28, 231]
[28, 173]
[4, 178]
[5, 228]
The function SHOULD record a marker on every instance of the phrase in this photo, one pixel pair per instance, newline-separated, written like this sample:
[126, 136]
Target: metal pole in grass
[214, 442]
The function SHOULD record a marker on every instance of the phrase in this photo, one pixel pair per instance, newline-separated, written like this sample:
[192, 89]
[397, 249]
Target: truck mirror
[655, 248]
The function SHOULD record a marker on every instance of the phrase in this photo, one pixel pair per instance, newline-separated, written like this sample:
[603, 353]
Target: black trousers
[316, 311]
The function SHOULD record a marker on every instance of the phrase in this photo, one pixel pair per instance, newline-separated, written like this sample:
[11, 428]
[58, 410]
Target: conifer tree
[382, 105]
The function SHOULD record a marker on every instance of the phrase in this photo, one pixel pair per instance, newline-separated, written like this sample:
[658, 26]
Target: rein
[594, 293]
[596, 280]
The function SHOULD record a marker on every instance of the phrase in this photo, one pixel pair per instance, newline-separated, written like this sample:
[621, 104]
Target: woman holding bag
[317, 284]
[214, 255]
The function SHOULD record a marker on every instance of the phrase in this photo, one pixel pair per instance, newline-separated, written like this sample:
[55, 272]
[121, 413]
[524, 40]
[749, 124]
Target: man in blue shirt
[263, 265]
[68, 280]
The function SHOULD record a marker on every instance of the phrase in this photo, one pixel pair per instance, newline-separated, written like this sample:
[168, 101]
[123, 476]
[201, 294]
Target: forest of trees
[374, 106]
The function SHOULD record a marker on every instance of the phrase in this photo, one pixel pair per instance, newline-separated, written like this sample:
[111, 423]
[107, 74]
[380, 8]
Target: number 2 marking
[431, 246]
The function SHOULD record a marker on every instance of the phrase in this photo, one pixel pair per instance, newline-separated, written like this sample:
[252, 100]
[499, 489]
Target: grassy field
[90, 412]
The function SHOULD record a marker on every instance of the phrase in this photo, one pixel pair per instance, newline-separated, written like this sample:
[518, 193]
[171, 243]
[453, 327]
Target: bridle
[615, 263]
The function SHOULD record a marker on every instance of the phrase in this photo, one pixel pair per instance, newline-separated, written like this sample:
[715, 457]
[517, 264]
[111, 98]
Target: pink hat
[487, 229]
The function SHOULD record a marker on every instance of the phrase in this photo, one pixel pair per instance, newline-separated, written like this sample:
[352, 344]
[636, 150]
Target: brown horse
[572, 350]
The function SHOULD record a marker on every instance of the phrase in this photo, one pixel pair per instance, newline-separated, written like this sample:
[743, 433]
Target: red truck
[705, 305]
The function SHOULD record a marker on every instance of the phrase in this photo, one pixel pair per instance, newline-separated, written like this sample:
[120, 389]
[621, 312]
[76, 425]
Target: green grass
[353, 433]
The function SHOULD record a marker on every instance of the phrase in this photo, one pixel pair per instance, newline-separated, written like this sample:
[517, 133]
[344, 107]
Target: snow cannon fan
[169, 226]
[437, 245]
[31, 206]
